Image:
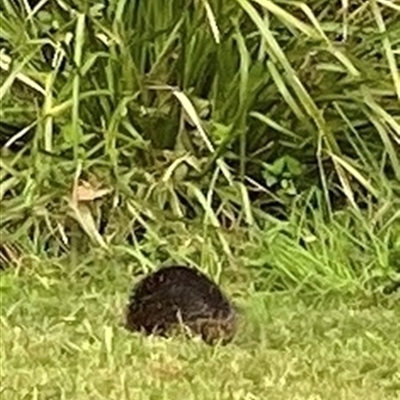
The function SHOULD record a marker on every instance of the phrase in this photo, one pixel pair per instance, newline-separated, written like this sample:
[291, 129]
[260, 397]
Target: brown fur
[181, 296]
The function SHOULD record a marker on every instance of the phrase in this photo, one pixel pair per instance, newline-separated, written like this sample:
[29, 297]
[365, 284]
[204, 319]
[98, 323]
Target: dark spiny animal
[181, 296]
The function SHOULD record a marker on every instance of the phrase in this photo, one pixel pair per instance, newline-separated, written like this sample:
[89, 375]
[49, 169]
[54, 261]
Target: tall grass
[198, 118]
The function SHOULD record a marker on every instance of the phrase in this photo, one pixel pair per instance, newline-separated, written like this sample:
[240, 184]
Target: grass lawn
[61, 339]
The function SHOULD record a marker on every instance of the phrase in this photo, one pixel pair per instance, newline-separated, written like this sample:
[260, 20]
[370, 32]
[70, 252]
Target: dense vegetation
[258, 140]
[145, 125]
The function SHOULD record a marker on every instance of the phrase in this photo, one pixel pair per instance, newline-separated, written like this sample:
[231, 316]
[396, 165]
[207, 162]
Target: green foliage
[199, 116]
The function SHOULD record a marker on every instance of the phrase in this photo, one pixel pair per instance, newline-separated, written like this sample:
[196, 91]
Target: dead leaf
[84, 191]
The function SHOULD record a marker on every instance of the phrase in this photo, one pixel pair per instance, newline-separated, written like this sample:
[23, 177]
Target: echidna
[181, 296]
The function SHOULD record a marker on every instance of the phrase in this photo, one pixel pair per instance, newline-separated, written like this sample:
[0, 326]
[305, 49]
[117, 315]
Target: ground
[62, 338]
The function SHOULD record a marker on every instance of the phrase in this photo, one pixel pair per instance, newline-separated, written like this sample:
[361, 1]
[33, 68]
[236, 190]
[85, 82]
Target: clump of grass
[351, 253]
